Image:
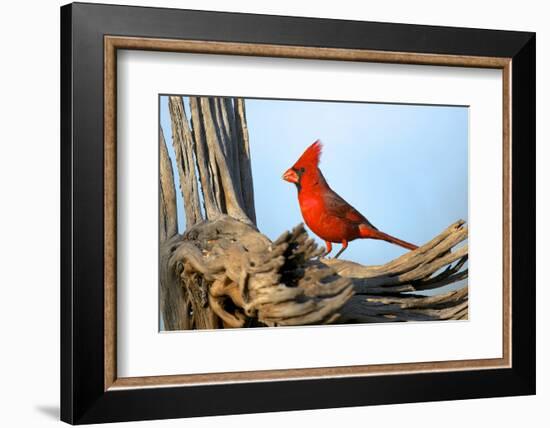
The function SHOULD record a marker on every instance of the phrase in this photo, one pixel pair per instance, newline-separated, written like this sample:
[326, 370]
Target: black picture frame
[83, 398]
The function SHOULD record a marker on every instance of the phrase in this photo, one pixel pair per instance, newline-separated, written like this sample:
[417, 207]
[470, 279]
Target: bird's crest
[311, 156]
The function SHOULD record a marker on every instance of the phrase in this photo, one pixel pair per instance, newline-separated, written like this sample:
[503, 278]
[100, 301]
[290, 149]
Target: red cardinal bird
[324, 211]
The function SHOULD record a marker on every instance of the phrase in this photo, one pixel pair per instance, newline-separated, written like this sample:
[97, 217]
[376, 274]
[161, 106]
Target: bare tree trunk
[222, 272]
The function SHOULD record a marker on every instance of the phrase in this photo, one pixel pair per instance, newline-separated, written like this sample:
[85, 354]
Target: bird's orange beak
[290, 176]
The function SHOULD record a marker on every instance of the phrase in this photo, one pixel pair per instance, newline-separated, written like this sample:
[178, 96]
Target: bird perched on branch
[328, 215]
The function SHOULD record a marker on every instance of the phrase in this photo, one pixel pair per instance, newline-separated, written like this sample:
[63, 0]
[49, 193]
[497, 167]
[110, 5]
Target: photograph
[291, 212]
[269, 211]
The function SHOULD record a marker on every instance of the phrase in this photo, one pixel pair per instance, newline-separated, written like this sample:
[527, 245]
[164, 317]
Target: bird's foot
[324, 255]
[328, 249]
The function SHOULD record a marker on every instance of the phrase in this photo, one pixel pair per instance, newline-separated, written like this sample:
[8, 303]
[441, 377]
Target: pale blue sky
[405, 167]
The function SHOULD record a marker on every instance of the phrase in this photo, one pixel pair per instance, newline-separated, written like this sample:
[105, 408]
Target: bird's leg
[344, 246]
[329, 248]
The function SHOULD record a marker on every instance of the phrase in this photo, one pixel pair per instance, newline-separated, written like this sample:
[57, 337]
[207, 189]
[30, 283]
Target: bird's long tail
[367, 232]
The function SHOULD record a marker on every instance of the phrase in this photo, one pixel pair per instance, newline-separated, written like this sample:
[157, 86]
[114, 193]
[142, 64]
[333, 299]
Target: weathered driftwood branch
[380, 291]
[167, 192]
[414, 271]
[213, 164]
[246, 280]
[172, 299]
[222, 272]
[182, 141]
[217, 146]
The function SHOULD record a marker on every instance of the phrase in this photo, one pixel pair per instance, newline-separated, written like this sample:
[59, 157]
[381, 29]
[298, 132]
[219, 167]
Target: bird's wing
[337, 206]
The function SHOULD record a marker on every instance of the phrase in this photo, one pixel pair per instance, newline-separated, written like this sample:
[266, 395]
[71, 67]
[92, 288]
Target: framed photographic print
[265, 213]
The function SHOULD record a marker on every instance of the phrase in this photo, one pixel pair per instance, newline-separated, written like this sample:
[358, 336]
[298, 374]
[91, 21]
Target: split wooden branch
[168, 214]
[184, 148]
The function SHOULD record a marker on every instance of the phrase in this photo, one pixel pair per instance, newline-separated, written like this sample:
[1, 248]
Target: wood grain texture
[213, 160]
[221, 143]
[245, 166]
[296, 374]
[113, 43]
[109, 200]
[250, 280]
[168, 217]
[172, 300]
[507, 170]
[309, 52]
[182, 141]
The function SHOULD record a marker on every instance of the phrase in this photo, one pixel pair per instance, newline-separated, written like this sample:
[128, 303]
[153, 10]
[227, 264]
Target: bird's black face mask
[299, 172]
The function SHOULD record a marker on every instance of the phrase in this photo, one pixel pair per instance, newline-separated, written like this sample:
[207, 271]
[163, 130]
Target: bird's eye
[302, 169]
